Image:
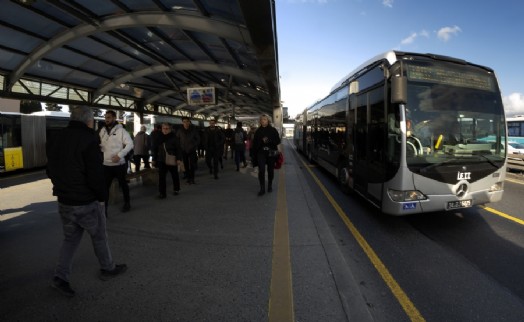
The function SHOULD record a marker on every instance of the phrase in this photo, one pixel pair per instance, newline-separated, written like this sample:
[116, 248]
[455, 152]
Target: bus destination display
[442, 75]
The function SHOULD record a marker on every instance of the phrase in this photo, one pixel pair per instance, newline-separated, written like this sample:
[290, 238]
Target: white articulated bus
[412, 133]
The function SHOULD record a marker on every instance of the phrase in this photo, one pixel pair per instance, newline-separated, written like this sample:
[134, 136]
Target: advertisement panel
[201, 96]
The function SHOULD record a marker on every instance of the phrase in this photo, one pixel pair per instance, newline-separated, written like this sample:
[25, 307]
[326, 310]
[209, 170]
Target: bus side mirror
[398, 90]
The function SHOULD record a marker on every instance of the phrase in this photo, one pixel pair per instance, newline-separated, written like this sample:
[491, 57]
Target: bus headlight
[408, 195]
[499, 186]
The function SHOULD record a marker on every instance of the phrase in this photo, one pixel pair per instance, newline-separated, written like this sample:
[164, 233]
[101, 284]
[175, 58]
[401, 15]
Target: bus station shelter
[197, 58]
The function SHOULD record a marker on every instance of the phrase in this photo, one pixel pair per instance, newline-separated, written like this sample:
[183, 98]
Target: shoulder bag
[170, 159]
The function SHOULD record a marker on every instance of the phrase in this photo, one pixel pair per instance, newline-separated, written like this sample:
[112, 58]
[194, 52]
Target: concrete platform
[216, 252]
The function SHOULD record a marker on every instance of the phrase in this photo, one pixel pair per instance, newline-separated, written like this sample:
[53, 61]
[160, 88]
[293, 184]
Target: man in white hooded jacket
[115, 143]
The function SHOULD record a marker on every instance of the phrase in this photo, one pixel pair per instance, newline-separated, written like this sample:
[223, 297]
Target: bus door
[376, 153]
[360, 147]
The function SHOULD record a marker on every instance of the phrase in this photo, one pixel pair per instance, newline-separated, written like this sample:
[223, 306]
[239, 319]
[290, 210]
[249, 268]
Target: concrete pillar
[137, 122]
[278, 119]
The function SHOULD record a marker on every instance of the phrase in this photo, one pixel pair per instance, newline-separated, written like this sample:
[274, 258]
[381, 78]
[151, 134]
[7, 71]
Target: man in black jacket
[76, 171]
[214, 145]
[189, 138]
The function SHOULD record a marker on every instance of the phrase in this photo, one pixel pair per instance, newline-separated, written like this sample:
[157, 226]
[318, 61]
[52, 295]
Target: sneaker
[107, 275]
[62, 287]
[161, 197]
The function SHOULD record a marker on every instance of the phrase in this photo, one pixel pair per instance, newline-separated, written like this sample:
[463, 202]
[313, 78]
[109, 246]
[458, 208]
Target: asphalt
[216, 252]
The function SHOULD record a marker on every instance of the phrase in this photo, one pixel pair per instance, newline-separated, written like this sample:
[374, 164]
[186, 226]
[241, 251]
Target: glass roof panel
[98, 49]
[9, 60]
[225, 9]
[17, 40]
[100, 7]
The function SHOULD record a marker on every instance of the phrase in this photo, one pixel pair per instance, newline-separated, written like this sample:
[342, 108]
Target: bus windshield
[454, 114]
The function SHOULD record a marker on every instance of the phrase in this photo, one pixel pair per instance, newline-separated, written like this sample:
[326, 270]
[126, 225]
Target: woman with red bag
[265, 152]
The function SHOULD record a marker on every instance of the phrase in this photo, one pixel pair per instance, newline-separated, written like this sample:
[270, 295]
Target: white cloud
[446, 32]
[388, 3]
[411, 38]
[514, 104]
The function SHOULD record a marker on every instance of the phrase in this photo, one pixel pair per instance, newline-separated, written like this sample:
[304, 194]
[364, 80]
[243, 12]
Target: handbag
[170, 159]
[279, 161]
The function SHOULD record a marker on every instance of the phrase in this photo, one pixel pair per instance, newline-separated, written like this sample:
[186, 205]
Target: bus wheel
[343, 177]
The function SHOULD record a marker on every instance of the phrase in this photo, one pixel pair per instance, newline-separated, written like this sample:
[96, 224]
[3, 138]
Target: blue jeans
[240, 156]
[76, 219]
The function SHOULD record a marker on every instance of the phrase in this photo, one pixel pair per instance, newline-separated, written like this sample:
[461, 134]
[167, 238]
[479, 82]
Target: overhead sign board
[201, 96]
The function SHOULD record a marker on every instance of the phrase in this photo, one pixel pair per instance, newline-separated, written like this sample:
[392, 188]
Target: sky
[321, 41]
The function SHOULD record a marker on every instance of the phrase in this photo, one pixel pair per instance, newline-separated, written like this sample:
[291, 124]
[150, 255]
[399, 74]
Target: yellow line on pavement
[395, 288]
[514, 181]
[281, 289]
[504, 215]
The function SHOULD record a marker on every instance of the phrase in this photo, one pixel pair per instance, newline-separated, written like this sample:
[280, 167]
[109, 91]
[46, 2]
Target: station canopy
[143, 55]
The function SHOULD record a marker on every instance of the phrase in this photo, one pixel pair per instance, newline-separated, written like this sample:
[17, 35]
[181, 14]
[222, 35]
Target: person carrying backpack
[240, 137]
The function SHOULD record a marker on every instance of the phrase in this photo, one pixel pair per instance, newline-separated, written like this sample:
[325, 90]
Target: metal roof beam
[199, 66]
[245, 90]
[200, 24]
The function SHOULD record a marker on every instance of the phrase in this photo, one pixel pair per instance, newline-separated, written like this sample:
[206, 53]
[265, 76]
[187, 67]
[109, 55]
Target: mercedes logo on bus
[461, 190]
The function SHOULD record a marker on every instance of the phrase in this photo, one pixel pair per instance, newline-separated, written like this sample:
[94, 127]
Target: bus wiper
[482, 156]
[434, 165]
[474, 156]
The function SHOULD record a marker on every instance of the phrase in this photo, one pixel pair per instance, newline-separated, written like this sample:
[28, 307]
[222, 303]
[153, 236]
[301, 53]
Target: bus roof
[515, 118]
[390, 56]
[52, 113]
[393, 56]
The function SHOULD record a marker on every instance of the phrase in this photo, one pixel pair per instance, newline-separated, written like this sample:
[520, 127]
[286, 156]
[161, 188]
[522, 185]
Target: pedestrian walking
[265, 149]
[74, 165]
[116, 143]
[189, 139]
[213, 142]
[141, 147]
[167, 145]
[240, 138]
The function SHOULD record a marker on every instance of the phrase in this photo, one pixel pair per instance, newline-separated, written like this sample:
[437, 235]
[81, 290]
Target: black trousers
[119, 172]
[163, 169]
[137, 159]
[264, 160]
[213, 157]
[190, 163]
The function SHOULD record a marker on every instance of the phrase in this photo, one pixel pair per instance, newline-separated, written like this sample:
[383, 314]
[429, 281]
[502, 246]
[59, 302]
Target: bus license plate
[459, 204]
